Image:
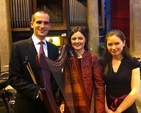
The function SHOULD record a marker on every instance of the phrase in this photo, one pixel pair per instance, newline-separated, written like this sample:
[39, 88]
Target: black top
[118, 84]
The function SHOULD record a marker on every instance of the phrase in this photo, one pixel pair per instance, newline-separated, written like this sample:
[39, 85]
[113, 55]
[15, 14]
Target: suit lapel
[49, 50]
[31, 48]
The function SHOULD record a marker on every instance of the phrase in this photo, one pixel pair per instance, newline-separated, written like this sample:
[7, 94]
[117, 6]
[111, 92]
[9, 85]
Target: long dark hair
[81, 30]
[107, 57]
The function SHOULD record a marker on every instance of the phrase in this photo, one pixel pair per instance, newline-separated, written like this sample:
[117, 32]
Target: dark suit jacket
[20, 79]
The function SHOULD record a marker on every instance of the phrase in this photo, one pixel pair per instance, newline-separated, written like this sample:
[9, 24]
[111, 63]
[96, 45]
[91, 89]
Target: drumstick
[31, 73]
[28, 66]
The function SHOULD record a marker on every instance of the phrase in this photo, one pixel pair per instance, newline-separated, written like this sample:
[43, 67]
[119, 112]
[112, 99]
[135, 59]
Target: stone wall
[135, 27]
[5, 35]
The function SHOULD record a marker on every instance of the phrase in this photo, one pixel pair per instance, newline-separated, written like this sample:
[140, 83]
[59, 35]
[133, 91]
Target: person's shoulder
[50, 45]
[23, 41]
[92, 55]
[133, 61]
[136, 61]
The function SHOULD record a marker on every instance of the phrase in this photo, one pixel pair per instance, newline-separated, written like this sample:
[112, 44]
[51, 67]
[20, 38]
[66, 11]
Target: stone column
[93, 26]
[135, 28]
[5, 35]
[108, 15]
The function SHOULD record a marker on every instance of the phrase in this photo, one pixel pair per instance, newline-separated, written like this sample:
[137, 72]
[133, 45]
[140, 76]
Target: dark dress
[118, 84]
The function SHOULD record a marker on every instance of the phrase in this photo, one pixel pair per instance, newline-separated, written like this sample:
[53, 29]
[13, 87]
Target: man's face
[41, 25]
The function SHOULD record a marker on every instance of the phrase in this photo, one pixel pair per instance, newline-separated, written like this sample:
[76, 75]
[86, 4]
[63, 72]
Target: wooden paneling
[56, 10]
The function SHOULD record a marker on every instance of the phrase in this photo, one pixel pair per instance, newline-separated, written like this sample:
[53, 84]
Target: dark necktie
[41, 50]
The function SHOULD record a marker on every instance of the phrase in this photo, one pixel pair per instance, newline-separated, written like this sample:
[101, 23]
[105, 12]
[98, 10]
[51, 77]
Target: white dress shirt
[37, 45]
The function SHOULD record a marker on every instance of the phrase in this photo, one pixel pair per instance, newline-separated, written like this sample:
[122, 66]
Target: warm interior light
[54, 40]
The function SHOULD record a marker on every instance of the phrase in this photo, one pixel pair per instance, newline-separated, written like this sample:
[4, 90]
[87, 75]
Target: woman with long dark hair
[121, 74]
[90, 76]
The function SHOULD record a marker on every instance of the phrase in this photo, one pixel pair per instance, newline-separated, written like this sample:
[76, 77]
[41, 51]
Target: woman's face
[115, 45]
[78, 41]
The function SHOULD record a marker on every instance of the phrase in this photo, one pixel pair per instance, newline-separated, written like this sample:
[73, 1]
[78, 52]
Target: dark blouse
[118, 84]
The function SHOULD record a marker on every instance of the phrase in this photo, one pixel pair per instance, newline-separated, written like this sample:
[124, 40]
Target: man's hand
[40, 95]
[62, 108]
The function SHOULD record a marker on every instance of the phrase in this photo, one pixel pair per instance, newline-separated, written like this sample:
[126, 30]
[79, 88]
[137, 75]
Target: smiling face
[78, 41]
[115, 45]
[40, 24]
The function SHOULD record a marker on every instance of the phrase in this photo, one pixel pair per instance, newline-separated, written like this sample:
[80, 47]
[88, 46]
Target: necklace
[79, 54]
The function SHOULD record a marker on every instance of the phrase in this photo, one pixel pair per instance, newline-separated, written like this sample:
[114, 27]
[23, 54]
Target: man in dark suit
[28, 98]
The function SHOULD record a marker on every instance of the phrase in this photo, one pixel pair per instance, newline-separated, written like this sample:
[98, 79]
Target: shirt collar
[36, 40]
